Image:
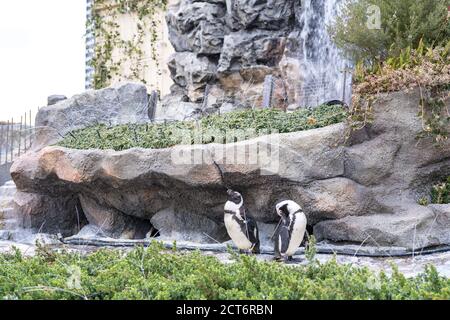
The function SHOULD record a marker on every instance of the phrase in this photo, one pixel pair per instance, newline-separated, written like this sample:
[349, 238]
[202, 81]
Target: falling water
[8, 222]
[10, 229]
[323, 75]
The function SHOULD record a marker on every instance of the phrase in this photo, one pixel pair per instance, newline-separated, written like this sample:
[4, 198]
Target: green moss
[155, 273]
[163, 135]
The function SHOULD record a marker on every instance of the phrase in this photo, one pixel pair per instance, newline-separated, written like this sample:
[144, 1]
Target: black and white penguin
[241, 228]
[291, 231]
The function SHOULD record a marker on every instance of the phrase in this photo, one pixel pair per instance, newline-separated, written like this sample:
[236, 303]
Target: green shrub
[403, 23]
[440, 193]
[187, 132]
[155, 273]
[423, 201]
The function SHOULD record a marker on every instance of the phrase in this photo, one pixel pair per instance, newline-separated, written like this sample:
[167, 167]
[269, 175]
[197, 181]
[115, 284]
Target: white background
[42, 52]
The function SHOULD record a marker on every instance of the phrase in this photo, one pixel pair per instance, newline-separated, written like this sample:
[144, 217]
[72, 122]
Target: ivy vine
[112, 50]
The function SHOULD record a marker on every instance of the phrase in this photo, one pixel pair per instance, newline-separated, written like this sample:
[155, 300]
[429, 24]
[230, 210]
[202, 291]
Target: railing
[16, 137]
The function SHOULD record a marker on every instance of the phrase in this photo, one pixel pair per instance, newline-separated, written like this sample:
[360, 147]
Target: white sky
[41, 52]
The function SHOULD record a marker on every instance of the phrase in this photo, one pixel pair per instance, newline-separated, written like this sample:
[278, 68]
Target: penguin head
[234, 196]
[284, 208]
[282, 211]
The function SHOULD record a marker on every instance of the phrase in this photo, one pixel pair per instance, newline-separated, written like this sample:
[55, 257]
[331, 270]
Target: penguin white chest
[298, 232]
[235, 232]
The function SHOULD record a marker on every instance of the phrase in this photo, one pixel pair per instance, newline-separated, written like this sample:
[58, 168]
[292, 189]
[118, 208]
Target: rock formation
[231, 45]
[111, 106]
[362, 190]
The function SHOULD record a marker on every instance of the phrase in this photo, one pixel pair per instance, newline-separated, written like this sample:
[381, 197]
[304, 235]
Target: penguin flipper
[284, 239]
[253, 234]
[276, 247]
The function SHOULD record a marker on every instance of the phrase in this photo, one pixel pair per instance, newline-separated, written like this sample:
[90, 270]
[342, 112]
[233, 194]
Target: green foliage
[408, 57]
[435, 119]
[403, 24]
[213, 128]
[440, 193]
[311, 250]
[423, 201]
[408, 67]
[426, 68]
[106, 62]
[155, 273]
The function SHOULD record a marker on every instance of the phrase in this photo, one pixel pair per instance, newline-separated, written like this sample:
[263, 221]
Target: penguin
[241, 228]
[292, 230]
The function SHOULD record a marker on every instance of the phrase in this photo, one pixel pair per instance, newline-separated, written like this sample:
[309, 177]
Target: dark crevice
[153, 232]
[80, 218]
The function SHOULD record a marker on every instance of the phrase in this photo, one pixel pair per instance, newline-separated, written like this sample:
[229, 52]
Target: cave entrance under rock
[83, 227]
[153, 232]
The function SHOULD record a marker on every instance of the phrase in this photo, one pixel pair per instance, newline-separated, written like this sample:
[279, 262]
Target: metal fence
[16, 137]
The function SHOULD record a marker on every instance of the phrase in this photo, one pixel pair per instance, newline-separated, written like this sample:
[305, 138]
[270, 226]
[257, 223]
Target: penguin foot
[277, 259]
[255, 249]
[285, 259]
[291, 260]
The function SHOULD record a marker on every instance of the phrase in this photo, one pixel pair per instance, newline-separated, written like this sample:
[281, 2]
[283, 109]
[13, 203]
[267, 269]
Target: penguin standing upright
[292, 230]
[241, 228]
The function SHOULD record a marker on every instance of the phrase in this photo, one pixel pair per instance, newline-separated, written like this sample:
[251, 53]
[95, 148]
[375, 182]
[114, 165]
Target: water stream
[8, 221]
[322, 65]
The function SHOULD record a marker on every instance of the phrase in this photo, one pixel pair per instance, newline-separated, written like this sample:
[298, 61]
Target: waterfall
[8, 221]
[322, 65]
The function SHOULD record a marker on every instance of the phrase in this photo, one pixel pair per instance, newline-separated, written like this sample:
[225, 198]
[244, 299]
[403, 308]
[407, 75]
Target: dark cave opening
[153, 232]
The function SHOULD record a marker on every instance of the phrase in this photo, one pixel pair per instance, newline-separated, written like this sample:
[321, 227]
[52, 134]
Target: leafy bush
[440, 193]
[425, 67]
[163, 135]
[154, 273]
[403, 23]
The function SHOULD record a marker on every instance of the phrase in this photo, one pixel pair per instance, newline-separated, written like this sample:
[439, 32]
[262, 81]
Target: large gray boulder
[119, 189]
[123, 104]
[363, 189]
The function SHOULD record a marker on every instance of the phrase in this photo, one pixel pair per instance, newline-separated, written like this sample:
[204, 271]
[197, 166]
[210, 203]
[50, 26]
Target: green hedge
[166, 135]
[155, 273]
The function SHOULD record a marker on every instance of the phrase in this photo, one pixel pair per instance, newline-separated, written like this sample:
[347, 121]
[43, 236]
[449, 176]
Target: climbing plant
[112, 50]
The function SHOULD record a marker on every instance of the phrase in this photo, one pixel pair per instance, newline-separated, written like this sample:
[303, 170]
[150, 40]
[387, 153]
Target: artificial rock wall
[231, 45]
[360, 189]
